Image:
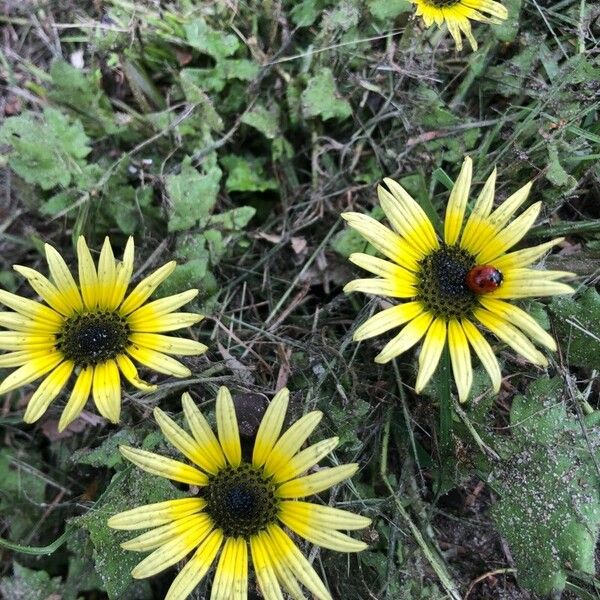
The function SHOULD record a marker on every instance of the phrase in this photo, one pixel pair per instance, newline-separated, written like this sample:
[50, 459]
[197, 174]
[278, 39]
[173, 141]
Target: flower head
[449, 286]
[456, 15]
[242, 505]
[92, 329]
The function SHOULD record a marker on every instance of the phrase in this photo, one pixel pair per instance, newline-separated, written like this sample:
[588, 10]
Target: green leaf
[27, 584]
[306, 12]
[194, 94]
[193, 195]
[577, 322]
[265, 121]
[235, 219]
[389, 9]
[549, 507]
[556, 173]
[246, 175]
[321, 98]
[210, 41]
[45, 151]
[187, 276]
[507, 30]
[107, 454]
[127, 489]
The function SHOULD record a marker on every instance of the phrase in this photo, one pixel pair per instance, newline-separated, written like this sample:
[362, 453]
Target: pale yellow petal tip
[183, 374]
[382, 358]
[126, 451]
[186, 397]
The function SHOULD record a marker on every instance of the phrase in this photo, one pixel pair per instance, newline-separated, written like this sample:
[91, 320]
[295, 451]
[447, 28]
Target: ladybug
[484, 279]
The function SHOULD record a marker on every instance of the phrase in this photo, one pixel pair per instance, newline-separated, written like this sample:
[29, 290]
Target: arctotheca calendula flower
[242, 507]
[456, 15]
[93, 330]
[451, 287]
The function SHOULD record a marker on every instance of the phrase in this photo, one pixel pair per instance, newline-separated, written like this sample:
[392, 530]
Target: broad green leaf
[217, 44]
[235, 219]
[321, 98]
[48, 150]
[265, 121]
[193, 195]
[194, 94]
[549, 506]
[246, 175]
[128, 489]
[577, 323]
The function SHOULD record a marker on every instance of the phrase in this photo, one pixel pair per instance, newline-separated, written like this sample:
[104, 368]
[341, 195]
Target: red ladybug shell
[484, 279]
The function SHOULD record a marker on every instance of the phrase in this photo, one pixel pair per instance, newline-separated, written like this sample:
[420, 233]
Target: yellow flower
[456, 15]
[439, 279]
[92, 329]
[241, 505]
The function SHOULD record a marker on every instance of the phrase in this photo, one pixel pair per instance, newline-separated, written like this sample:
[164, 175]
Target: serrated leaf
[194, 94]
[321, 98]
[265, 121]
[246, 175]
[187, 276]
[210, 41]
[193, 195]
[549, 507]
[127, 489]
[46, 151]
[235, 219]
[577, 323]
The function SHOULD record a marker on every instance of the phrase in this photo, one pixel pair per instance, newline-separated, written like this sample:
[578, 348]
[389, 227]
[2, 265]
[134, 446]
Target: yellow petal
[88, 278]
[327, 538]
[169, 322]
[509, 236]
[149, 313]
[527, 283]
[166, 533]
[270, 427]
[171, 552]
[386, 241]
[525, 257]
[225, 572]
[131, 374]
[484, 352]
[78, 398]
[227, 427]
[262, 560]
[431, 352]
[47, 391]
[31, 371]
[46, 290]
[290, 442]
[144, 288]
[239, 589]
[107, 276]
[158, 361]
[388, 319]
[316, 482]
[106, 390]
[519, 318]
[407, 217]
[470, 239]
[196, 568]
[460, 357]
[39, 313]
[154, 515]
[10, 340]
[297, 564]
[317, 516]
[510, 335]
[504, 213]
[62, 278]
[384, 268]
[305, 460]
[459, 195]
[123, 276]
[179, 438]
[406, 339]
[18, 322]
[381, 287]
[168, 344]
[162, 466]
[20, 357]
[214, 458]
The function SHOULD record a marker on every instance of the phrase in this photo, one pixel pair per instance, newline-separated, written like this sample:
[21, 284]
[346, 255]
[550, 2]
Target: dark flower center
[240, 501]
[442, 282]
[92, 338]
